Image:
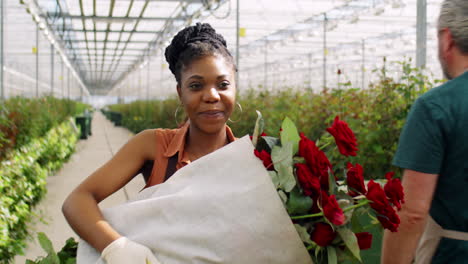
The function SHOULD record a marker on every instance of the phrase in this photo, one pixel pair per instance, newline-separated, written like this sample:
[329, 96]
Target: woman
[205, 74]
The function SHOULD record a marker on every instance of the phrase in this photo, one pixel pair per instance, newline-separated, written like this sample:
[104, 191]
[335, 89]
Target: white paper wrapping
[222, 208]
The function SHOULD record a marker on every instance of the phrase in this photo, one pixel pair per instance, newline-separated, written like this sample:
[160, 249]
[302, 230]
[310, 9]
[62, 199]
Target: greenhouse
[81, 81]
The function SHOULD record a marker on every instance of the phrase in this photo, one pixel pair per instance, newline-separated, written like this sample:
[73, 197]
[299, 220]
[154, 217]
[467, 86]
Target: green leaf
[289, 134]
[331, 252]
[298, 203]
[71, 261]
[317, 251]
[258, 128]
[344, 256]
[350, 241]
[282, 154]
[45, 243]
[286, 177]
[303, 234]
[274, 178]
[282, 160]
[356, 224]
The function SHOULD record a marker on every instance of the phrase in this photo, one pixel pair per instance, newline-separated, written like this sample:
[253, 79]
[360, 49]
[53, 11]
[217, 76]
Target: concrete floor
[90, 154]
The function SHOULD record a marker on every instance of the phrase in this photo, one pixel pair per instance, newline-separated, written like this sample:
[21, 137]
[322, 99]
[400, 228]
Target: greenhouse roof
[106, 41]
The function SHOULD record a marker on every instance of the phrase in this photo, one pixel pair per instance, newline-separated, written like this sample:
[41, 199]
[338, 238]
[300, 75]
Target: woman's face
[208, 93]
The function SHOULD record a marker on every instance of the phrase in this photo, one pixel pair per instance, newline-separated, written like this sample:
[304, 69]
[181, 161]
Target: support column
[421, 33]
[325, 22]
[61, 78]
[140, 87]
[363, 63]
[37, 60]
[148, 79]
[68, 83]
[2, 41]
[52, 64]
[310, 71]
[237, 44]
[161, 72]
[265, 68]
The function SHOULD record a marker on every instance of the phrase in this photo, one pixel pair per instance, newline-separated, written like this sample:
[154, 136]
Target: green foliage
[67, 255]
[24, 119]
[140, 115]
[23, 183]
[376, 114]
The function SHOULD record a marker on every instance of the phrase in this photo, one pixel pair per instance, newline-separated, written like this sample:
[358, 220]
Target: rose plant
[324, 204]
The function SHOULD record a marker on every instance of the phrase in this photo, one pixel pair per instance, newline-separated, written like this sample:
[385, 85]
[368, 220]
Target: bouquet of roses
[323, 204]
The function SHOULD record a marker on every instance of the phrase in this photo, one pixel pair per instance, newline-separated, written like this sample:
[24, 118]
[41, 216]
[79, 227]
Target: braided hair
[192, 43]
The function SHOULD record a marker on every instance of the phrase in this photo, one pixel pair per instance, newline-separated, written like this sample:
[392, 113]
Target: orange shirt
[168, 143]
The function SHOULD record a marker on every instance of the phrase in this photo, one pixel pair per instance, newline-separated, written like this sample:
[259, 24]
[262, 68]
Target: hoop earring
[175, 115]
[241, 111]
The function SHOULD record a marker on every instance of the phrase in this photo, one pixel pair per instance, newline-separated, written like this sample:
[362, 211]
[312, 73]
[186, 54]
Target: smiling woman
[207, 93]
[205, 75]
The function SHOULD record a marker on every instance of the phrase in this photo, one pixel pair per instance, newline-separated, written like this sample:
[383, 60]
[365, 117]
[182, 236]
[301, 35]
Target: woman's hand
[124, 251]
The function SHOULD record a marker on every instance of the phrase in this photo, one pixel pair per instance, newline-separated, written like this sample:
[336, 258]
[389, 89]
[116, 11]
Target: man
[433, 150]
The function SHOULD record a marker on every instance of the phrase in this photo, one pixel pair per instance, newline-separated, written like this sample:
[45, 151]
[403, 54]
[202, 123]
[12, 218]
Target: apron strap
[430, 240]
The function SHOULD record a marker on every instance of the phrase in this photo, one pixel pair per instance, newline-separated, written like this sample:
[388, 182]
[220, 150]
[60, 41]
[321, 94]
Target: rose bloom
[355, 179]
[386, 214]
[332, 210]
[364, 240]
[322, 234]
[316, 160]
[389, 219]
[394, 190]
[309, 183]
[344, 137]
[266, 158]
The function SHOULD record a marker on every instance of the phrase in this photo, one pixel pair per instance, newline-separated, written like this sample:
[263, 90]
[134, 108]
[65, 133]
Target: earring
[240, 107]
[175, 115]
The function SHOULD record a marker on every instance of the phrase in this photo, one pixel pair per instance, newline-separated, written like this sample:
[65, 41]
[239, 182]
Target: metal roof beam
[100, 49]
[121, 19]
[115, 31]
[108, 41]
[187, 1]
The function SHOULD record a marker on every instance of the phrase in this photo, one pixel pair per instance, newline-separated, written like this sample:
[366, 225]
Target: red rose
[344, 137]
[266, 158]
[389, 219]
[364, 240]
[355, 179]
[322, 234]
[316, 160]
[310, 184]
[386, 214]
[394, 190]
[332, 210]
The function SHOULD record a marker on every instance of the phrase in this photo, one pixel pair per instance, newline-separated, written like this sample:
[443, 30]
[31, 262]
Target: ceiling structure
[106, 38]
[109, 42]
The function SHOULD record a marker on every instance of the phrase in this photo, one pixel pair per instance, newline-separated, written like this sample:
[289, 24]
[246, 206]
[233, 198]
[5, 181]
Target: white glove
[125, 251]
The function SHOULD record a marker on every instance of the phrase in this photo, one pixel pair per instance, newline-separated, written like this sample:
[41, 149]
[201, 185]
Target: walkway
[90, 154]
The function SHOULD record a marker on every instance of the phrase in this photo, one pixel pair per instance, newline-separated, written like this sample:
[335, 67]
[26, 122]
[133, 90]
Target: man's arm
[400, 247]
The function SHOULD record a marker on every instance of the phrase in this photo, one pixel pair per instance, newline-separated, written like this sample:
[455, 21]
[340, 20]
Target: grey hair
[454, 16]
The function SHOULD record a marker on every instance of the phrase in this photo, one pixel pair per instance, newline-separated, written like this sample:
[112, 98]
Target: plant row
[23, 174]
[377, 114]
[24, 119]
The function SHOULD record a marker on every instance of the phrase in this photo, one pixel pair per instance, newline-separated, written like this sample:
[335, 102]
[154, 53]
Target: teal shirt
[434, 140]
